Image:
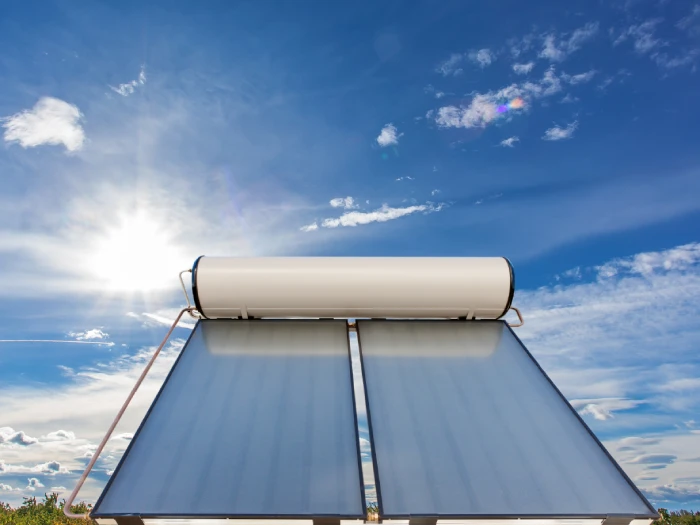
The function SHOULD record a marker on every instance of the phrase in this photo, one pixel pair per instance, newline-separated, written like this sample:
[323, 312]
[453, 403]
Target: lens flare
[516, 103]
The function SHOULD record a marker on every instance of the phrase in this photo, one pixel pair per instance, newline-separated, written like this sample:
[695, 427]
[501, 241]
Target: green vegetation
[682, 517]
[50, 512]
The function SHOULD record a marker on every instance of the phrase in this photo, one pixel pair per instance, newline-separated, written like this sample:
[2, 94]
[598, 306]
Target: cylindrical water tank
[353, 287]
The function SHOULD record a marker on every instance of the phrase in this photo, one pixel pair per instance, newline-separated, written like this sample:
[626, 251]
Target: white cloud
[483, 57]
[665, 61]
[127, 89]
[388, 136]
[680, 384]
[679, 258]
[550, 82]
[593, 339]
[523, 69]
[49, 468]
[449, 66]
[94, 333]
[581, 78]
[126, 436]
[642, 35]
[41, 410]
[8, 488]
[434, 192]
[347, 203]
[406, 177]
[34, 484]
[383, 214]
[9, 436]
[59, 435]
[51, 121]
[559, 133]
[602, 408]
[569, 98]
[518, 47]
[550, 49]
[557, 49]
[309, 227]
[484, 108]
[691, 23]
[510, 142]
[581, 36]
[650, 459]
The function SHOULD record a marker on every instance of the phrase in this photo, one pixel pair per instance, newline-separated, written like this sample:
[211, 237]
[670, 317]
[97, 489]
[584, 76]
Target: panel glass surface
[464, 423]
[256, 419]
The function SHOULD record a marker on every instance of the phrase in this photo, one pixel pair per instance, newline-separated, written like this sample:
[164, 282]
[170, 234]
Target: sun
[136, 254]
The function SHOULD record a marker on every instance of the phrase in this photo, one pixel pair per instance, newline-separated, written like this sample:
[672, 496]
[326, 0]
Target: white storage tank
[353, 287]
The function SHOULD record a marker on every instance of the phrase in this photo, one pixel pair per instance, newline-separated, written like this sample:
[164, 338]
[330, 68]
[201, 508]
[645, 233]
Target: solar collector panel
[256, 419]
[465, 424]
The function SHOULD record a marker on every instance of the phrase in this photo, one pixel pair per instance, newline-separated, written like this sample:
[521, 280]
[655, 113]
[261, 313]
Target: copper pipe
[71, 498]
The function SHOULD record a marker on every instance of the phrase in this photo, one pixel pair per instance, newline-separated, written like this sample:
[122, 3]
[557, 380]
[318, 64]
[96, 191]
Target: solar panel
[256, 419]
[464, 423]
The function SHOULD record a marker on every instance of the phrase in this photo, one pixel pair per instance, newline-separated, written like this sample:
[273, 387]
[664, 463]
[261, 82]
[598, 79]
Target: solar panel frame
[96, 513]
[652, 514]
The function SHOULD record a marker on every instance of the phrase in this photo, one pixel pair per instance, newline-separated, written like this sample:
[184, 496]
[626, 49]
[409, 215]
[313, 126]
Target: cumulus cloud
[450, 66]
[673, 492]
[309, 227]
[602, 409]
[523, 69]
[559, 133]
[642, 36]
[557, 49]
[34, 484]
[9, 436]
[389, 136]
[49, 468]
[482, 57]
[59, 435]
[679, 258]
[51, 121]
[88, 335]
[347, 203]
[510, 142]
[485, 108]
[127, 89]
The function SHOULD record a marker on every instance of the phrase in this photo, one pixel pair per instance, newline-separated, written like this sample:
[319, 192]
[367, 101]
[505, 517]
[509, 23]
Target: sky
[137, 136]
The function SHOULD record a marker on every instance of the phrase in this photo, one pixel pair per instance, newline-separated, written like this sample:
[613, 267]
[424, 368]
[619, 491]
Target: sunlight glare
[137, 254]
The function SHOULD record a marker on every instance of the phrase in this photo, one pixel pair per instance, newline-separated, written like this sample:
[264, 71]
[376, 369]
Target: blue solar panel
[465, 424]
[256, 419]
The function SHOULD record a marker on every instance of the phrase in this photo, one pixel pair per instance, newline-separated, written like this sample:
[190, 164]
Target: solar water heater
[257, 419]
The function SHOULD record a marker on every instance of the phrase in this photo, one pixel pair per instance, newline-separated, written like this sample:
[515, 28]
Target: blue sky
[137, 136]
